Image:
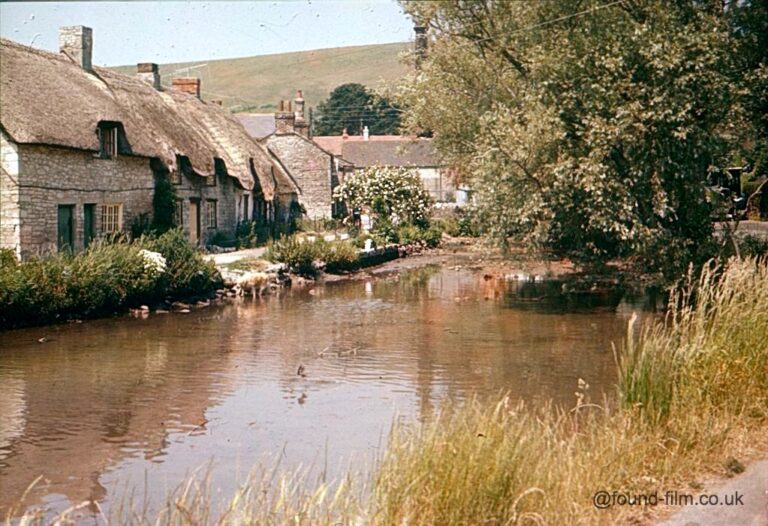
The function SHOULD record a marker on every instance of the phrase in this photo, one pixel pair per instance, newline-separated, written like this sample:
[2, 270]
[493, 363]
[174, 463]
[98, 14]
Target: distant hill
[256, 84]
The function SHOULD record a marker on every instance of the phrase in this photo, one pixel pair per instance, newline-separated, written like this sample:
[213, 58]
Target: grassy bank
[105, 279]
[692, 399]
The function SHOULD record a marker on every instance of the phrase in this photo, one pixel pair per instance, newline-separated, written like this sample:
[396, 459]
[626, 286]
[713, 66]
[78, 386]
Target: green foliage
[7, 258]
[392, 193]
[106, 278]
[430, 237]
[304, 256]
[163, 204]
[349, 105]
[591, 136]
[295, 252]
[188, 273]
[140, 226]
[340, 256]
[463, 222]
[250, 234]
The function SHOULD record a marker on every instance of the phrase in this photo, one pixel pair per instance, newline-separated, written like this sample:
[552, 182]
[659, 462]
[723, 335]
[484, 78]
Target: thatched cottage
[82, 147]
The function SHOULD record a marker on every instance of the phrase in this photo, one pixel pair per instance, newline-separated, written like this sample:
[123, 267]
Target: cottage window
[210, 180]
[178, 213]
[211, 213]
[111, 218]
[108, 138]
[175, 176]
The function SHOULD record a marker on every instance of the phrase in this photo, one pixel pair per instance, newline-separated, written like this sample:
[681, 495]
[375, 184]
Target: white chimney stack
[365, 133]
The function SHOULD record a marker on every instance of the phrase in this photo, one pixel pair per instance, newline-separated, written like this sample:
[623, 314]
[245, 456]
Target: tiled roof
[404, 152]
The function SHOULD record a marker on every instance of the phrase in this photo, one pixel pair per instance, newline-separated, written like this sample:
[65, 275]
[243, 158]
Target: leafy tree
[587, 128]
[352, 106]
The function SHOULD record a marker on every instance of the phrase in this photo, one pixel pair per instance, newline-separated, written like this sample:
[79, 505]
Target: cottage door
[89, 229]
[65, 236]
[194, 222]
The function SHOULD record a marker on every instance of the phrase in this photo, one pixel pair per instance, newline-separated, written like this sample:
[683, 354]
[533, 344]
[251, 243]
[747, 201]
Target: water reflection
[111, 401]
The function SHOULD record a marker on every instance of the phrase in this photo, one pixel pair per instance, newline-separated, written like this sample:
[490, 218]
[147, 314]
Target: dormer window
[109, 136]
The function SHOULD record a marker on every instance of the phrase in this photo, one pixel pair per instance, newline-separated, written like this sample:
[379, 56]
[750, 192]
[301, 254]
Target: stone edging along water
[277, 276]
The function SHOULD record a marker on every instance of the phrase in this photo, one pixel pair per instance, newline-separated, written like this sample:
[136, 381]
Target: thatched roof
[45, 98]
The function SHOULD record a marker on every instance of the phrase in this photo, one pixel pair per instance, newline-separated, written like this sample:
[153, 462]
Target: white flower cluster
[153, 261]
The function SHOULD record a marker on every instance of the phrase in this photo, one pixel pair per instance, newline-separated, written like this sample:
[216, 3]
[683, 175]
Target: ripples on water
[110, 403]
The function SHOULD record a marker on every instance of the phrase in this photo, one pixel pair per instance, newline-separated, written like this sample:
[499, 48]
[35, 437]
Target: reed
[692, 394]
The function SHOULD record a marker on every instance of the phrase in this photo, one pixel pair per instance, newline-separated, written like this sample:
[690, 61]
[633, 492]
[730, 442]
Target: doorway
[194, 221]
[65, 220]
[89, 225]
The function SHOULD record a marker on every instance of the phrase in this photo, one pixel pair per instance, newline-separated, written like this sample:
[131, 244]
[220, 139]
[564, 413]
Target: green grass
[257, 84]
[692, 396]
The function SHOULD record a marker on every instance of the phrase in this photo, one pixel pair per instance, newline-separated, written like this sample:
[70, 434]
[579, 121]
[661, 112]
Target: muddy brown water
[111, 404]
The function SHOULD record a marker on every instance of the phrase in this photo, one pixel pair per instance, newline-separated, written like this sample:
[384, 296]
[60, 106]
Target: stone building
[311, 168]
[81, 149]
[357, 152]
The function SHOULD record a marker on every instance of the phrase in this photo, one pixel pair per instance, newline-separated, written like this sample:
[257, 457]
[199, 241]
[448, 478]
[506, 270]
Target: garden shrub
[339, 256]
[7, 258]
[298, 254]
[188, 273]
[111, 275]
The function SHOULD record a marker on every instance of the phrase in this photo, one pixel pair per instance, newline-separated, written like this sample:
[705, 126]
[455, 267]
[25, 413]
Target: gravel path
[752, 485]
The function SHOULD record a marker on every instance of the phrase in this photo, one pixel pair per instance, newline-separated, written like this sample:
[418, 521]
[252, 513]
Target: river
[101, 406]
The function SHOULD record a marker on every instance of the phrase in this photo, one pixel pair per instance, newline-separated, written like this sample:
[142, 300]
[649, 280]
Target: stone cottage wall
[311, 168]
[226, 193]
[53, 176]
[9, 194]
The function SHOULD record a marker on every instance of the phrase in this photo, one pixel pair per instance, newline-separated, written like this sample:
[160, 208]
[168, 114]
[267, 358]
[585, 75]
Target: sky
[127, 33]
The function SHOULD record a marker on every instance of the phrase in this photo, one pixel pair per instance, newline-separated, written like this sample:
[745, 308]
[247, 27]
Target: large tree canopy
[352, 106]
[585, 127]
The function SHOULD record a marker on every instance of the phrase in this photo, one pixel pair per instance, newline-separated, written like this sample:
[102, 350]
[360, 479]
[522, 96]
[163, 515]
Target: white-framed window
[111, 217]
[211, 213]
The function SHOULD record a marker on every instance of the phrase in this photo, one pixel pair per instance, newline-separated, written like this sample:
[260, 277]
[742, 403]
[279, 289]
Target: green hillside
[257, 83]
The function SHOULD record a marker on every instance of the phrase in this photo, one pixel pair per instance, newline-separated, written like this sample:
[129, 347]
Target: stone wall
[52, 176]
[311, 168]
[9, 194]
[35, 180]
[227, 195]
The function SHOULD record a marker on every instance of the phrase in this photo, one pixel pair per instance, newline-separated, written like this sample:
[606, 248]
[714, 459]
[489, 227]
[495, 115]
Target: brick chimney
[300, 124]
[189, 85]
[284, 119]
[149, 72]
[77, 43]
[420, 44]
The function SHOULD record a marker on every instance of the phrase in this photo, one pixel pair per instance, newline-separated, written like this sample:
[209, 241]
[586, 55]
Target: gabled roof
[258, 125]
[405, 152]
[45, 98]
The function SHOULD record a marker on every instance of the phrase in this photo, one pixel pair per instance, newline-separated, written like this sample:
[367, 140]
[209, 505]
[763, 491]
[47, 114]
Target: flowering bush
[393, 194]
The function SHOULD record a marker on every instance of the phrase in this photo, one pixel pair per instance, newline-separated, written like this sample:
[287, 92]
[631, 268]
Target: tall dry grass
[692, 392]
